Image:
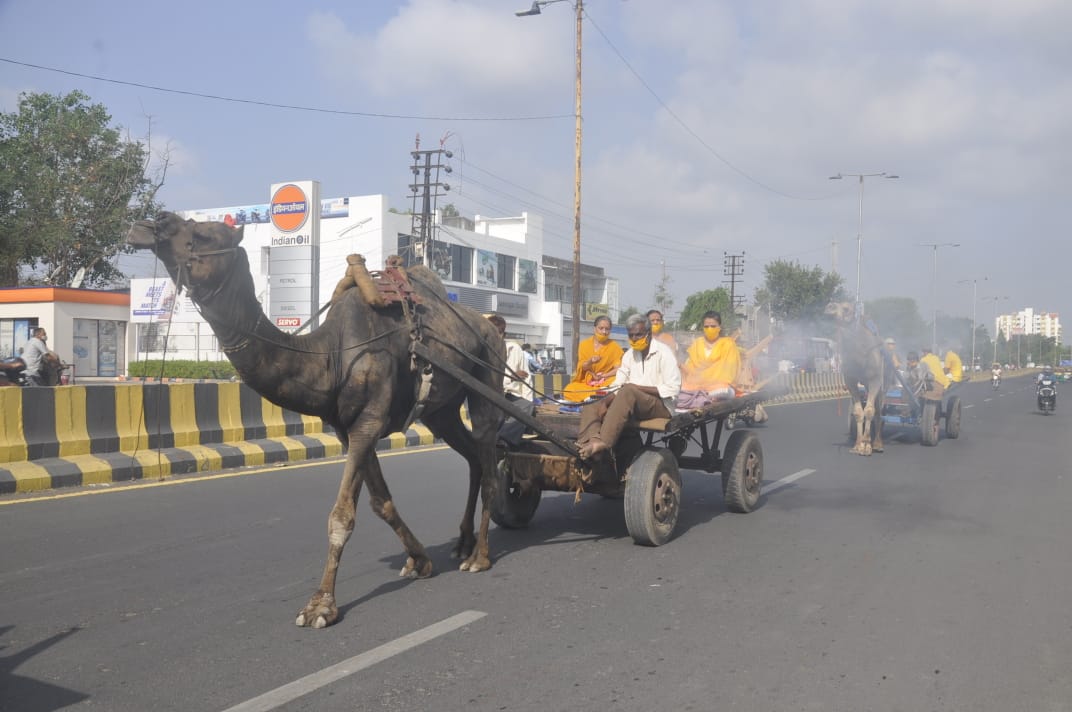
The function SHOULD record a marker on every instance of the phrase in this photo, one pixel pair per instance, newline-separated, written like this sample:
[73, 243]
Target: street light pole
[995, 300]
[934, 290]
[860, 224]
[975, 284]
[576, 302]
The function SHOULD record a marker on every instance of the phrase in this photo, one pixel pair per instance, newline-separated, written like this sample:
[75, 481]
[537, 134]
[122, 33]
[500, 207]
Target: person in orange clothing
[713, 360]
[597, 363]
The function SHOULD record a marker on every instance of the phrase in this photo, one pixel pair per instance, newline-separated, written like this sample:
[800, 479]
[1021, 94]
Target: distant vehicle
[808, 354]
[552, 358]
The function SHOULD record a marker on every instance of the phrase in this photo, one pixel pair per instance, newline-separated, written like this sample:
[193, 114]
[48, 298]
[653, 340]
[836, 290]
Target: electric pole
[733, 267]
[422, 222]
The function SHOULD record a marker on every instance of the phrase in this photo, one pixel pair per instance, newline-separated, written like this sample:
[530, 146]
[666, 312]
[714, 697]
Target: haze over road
[918, 579]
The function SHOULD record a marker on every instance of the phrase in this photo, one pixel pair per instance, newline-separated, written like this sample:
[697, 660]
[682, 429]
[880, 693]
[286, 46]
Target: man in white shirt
[648, 380]
[34, 354]
[515, 385]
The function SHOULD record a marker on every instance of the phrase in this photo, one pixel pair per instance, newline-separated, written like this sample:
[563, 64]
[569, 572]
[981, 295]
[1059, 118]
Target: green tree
[626, 313]
[796, 293]
[70, 186]
[708, 300]
[663, 299]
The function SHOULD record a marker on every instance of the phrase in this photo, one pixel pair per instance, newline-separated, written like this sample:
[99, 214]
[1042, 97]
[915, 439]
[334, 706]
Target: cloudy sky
[709, 127]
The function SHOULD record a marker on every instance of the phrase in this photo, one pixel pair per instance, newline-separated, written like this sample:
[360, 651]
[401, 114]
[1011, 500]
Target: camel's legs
[858, 416]
[361, 466]
[876, 443]
[479, 452]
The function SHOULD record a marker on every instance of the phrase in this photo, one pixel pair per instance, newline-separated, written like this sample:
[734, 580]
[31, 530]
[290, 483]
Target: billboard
[294, 257]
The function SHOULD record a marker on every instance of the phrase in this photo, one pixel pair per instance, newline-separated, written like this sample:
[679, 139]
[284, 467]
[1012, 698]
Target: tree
[626, 313]
[796, 293]
[709, 300]
[70, 186]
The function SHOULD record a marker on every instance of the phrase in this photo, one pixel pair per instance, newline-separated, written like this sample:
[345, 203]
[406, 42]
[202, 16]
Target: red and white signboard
[288, 322]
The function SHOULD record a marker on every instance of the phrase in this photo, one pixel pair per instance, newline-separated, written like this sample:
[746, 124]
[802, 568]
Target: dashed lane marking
[787, 480]
[280, 696]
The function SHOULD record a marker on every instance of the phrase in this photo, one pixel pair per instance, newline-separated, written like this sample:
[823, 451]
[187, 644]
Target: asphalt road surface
[924, 578]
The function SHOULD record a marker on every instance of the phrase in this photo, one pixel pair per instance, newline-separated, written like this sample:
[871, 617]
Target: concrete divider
[95, 434]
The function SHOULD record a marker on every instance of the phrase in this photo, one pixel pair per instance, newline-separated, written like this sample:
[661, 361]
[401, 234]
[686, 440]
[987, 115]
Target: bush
[178, 368]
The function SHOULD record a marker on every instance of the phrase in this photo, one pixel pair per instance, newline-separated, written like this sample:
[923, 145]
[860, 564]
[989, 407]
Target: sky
[709, 127]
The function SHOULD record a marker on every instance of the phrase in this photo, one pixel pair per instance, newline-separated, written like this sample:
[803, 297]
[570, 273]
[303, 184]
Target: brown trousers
[607, 418]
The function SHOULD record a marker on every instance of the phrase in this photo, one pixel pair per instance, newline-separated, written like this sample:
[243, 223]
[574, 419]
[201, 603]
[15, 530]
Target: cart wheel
[652, 497]
[852, 426]
[742, 472]
[952, 418]
[514, 506]
[928, 423]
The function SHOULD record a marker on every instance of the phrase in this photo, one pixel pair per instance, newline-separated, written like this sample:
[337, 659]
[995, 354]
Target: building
[1028, 322]
[489, 264]
[86, 327]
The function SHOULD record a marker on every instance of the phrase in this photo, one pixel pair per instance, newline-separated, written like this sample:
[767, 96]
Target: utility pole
[733, 267]
[422, 222]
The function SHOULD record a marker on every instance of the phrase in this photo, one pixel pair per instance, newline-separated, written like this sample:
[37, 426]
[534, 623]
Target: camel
[356, 372]
[862, 364]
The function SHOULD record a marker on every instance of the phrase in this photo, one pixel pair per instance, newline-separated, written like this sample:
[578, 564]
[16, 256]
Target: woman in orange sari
[713, 361]
[597, 363]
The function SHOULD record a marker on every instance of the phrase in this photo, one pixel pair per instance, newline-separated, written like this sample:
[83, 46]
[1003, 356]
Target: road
[918, 579]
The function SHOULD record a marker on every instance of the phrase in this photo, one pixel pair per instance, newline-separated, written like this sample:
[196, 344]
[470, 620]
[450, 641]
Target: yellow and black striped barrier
[96, 434]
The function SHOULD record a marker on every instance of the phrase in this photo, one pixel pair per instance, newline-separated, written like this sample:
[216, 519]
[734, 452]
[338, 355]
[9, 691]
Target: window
[555, 293]
[506, 271]
[461, 264]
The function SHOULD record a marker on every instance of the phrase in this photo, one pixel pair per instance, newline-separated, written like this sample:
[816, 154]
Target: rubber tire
[952, 418]
[928, 424]
[742, 472]
[652, 497]
[512, 509]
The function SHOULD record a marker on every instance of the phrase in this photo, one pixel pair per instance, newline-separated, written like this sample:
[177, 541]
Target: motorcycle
[1046, 394]
[13, 371]
[995, 381]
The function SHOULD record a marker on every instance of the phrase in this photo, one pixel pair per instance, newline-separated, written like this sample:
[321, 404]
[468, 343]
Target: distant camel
[861, 364]
[356, 371]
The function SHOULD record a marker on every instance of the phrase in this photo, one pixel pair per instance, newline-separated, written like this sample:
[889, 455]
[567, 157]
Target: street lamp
[934, 290]
[995, 300]
[576, 306]
[860, 225]
[975, 283]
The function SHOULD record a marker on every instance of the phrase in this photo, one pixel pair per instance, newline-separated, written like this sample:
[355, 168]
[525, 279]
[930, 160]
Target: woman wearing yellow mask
[597, 363]
[713, 360]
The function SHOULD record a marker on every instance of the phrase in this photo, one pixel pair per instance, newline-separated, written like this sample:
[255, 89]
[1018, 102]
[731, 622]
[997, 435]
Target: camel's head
[197, 255]
[841, 311]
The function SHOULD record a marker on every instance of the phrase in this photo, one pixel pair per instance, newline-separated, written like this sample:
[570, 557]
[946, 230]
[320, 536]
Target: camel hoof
[464, 548]
[475, 564]
[416, 569]
[320, 612]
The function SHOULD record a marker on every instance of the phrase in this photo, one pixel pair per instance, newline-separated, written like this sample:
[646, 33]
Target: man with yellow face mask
[649, 382]
[713, 360]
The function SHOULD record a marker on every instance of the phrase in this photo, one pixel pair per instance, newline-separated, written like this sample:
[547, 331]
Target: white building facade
[489, 264]
[1028, 322]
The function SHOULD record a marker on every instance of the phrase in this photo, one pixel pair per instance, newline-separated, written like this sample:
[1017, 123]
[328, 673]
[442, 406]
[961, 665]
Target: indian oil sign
[294, 261]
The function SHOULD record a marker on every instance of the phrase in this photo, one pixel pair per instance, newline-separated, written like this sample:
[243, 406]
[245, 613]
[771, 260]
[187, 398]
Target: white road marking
[969, 405]
[787, 480]
[302, 686]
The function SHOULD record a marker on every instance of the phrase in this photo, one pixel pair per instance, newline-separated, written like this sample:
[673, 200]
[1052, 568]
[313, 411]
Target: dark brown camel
[862, 364]
[356, 373]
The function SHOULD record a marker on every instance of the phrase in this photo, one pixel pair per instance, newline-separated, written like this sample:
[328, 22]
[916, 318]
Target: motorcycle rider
[995, 374]
[34, 354]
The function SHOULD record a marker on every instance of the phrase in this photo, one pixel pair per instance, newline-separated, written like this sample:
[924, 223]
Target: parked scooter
[1046, 394]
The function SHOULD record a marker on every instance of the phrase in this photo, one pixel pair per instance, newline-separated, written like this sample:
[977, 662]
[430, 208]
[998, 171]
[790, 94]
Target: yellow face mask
[641, 343]
[711, 332]
[656, 328]
[602, 338]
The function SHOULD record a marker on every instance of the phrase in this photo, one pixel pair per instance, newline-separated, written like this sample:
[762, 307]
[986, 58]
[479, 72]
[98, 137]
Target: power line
[273, 105]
